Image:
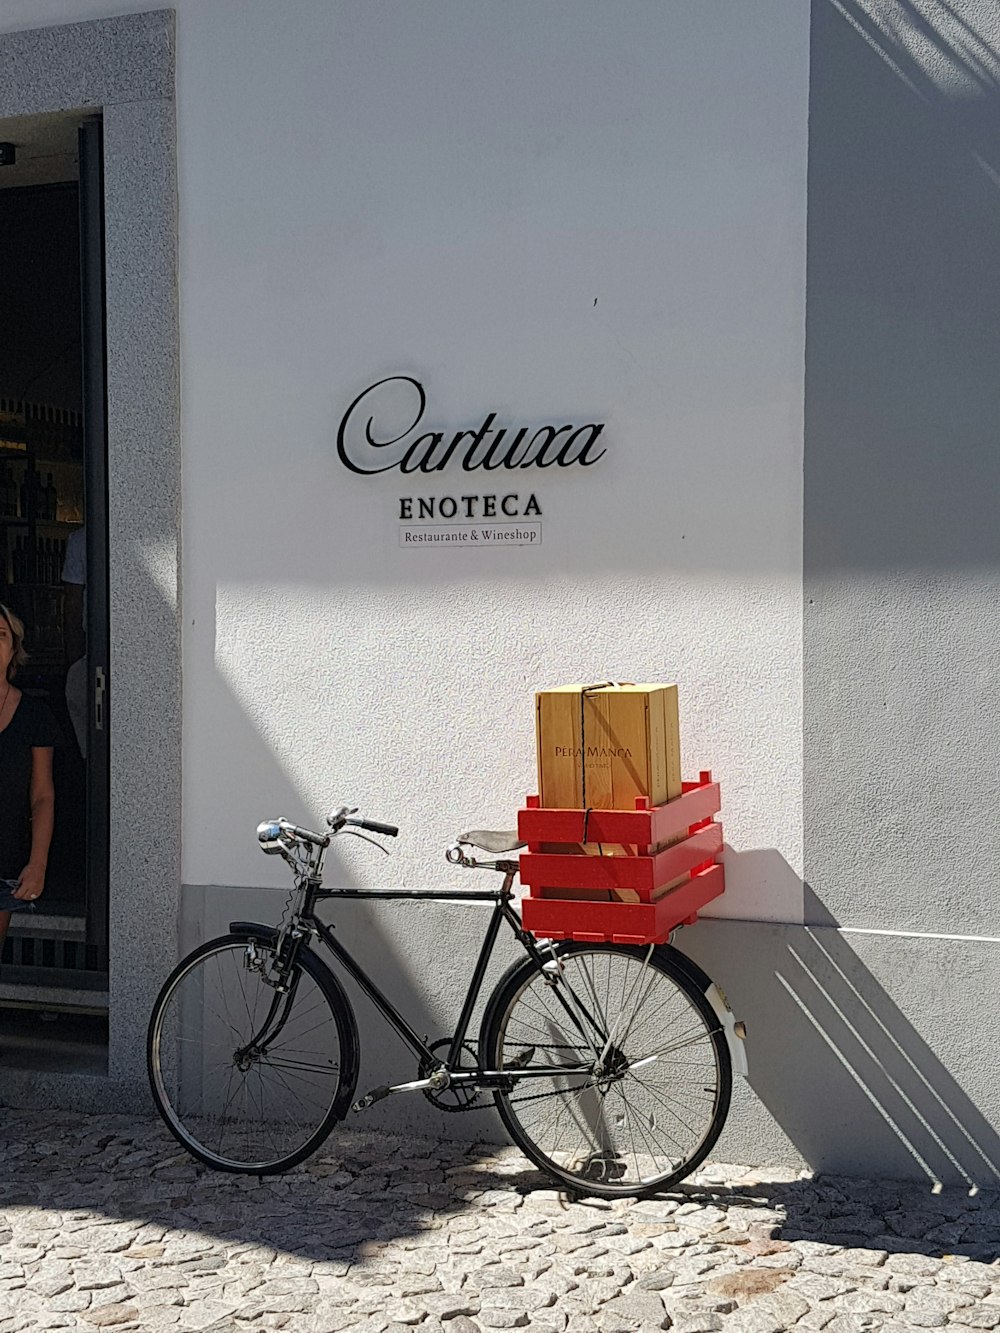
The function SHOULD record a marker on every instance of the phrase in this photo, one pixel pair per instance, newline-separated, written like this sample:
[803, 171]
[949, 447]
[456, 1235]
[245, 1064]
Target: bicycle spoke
[604, 1126]
[690, 1038]
[295, 1065]
[254, 1074]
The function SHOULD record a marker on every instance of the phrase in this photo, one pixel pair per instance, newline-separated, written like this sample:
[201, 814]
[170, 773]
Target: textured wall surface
[566, 212]
[865, 1049]
[607, 227]
[557, 214]
[902, 467]
[901, 551]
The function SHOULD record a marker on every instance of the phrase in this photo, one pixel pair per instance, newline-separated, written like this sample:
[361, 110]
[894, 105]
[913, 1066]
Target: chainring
[452, 1099]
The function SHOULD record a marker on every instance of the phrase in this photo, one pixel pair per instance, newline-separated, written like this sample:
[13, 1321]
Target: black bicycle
[610, 1065]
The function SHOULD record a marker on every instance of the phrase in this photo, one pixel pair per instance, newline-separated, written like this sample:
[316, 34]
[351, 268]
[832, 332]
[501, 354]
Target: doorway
[125, 68]
[53, 526]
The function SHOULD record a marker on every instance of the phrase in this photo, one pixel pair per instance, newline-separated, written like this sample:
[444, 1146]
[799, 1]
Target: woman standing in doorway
[27, 798]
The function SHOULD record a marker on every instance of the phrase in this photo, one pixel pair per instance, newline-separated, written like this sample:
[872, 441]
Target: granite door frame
[123, 68]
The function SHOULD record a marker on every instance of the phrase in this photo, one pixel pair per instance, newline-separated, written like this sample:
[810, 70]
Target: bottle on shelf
[8, 495]
[50, 498]
[29, 494]
[24, 571]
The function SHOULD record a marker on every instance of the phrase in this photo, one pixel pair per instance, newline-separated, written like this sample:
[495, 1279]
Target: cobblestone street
[105, 1223]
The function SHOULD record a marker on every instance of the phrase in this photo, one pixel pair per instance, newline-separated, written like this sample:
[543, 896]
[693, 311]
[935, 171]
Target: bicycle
[610, 1065]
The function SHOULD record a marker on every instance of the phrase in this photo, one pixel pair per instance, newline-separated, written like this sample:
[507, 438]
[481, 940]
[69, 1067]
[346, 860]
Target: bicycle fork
[285, 988]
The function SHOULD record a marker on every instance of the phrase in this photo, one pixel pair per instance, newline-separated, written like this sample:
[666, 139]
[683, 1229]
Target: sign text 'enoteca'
[366, 447]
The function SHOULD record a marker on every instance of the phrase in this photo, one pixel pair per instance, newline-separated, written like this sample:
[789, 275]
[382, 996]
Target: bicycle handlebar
[373, 826]
[306, 835]
[273, 833]
[276, 835]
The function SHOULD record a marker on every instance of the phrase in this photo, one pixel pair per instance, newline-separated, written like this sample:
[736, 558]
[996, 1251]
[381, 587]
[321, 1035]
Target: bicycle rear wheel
[641, 1074]
[249, 1078]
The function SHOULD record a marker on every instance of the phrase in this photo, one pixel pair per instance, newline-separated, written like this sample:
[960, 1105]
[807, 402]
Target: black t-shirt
[31, 727]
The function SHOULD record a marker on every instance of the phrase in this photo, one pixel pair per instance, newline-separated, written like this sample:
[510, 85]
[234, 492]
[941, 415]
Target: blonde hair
[17, 634]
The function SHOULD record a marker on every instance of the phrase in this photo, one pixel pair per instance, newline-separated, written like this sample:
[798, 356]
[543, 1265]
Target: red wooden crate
[622, 923]
[644, 874]
[646, 825]
[583, 918]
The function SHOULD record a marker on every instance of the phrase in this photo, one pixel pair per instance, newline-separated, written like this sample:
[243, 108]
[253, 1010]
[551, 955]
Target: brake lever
[365, 838]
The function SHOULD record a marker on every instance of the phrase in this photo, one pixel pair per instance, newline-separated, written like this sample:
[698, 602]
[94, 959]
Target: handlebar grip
[317, 839]
[373, 826]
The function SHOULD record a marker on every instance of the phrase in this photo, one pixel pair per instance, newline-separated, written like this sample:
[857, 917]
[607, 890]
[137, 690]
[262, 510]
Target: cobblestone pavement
[105, 1224]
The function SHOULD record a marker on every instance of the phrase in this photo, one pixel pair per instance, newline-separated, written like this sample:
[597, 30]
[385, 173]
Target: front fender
[255, 928]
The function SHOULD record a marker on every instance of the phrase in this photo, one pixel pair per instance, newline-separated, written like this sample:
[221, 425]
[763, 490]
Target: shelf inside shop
[57, 524]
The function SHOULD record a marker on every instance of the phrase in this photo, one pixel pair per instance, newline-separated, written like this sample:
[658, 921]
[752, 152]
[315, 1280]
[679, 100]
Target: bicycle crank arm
[380, 1093]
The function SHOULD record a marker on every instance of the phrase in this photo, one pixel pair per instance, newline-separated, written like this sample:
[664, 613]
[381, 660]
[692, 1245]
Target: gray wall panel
[144, 515]
[902, 466]
[868, 1053]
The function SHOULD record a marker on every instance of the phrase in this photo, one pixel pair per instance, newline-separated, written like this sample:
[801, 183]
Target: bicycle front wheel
[249, 1075]
[626, 1069]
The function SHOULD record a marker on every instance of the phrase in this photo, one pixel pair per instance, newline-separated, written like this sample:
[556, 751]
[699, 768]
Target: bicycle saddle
[494, 843]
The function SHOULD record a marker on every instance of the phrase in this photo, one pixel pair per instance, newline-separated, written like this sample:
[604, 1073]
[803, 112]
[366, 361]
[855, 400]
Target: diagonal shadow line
[855, 1075]
[976, 60]
[889, 26]
[914, 1068]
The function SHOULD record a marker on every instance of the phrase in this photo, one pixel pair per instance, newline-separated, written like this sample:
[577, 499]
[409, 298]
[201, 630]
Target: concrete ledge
[87, 1093]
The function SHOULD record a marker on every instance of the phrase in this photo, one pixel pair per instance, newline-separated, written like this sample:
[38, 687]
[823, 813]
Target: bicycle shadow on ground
[359, 1191]
[845, 1076]
[365, 1191]
[895, 1216]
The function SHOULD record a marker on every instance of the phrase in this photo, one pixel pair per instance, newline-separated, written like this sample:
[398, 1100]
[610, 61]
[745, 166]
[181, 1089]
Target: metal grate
[34, 951]
[42, 961]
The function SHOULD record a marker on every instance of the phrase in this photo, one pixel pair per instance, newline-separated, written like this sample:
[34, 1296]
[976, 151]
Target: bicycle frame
[501, 912]
[446, 1072]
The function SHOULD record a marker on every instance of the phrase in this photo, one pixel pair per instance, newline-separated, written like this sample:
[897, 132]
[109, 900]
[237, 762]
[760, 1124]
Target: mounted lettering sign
[370, 442]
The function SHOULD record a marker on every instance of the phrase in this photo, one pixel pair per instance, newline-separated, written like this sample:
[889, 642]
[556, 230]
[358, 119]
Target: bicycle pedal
[370, 1098]
[522, 1059]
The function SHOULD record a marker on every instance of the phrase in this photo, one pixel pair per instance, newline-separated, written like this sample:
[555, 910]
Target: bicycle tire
[184, 1029]
[563, 1124]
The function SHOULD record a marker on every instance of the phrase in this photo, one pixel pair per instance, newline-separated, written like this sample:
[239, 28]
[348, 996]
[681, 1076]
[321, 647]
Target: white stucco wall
[572, 211]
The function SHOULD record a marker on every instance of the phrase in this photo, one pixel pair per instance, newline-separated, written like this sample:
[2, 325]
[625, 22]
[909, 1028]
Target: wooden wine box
[600, 747]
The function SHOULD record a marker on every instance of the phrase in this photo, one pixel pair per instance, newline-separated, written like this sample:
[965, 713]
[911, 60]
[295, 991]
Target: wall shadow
[426, 988]
[836, 1047]
[897, 1216]
[901, 464]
